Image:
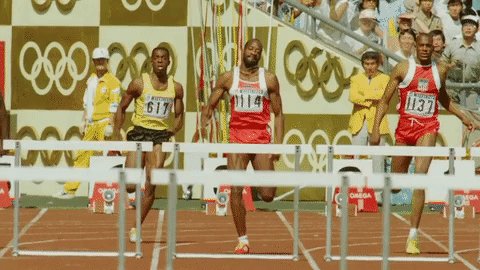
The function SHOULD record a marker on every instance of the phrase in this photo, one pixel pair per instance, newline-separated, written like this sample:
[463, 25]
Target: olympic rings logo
[54, 73]
[318, 136]
[48, 159]
[136, 5]
[320, 76]
[128, 62]
[63, 6]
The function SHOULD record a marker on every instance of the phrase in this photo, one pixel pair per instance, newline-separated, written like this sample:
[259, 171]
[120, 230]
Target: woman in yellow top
[155, 95]
[366, 89]
[100, 102]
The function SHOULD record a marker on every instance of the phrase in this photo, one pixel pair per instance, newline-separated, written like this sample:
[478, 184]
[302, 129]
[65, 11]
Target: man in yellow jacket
[100, 103]
[366, 89]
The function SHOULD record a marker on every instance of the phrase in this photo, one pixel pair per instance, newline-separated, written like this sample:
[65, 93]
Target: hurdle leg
[16, 202]
[344, 225]
[138, 205]
[296, 199]
[387, 190]
[172, 211]
[328, 237]
[451, 206]
[172, 220]
[121, 223]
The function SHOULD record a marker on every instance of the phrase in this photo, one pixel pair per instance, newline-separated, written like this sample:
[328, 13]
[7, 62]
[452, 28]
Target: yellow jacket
[364, 94]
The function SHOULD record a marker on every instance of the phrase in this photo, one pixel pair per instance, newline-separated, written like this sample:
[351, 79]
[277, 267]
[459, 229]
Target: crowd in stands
[394, 24]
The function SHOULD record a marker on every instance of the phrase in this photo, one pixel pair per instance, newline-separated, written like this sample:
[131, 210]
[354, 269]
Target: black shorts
[141, 134]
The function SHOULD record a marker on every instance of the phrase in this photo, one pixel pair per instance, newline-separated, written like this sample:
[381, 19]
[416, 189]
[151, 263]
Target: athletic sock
[413, 233]
[243, 239]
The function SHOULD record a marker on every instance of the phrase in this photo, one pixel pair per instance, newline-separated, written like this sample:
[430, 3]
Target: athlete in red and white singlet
[250, 109]
[421, 83]
[418, 102]
[254, 93]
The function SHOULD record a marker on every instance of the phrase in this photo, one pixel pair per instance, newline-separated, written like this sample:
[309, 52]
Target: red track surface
[82, 230]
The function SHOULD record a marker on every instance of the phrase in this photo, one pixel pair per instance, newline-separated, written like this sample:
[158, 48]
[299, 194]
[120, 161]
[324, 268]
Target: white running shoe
[63, 195]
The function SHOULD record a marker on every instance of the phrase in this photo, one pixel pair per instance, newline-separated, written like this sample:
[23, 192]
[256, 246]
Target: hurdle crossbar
[52, 145]
[236, 148]
[176, 148]
[418, 151]
[234, 256]
[52, 253]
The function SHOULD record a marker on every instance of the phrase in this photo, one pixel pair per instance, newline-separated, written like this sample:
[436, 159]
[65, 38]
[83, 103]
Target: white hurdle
[51, 145]
[475, 152]
[176, 148]
[450, 152]
[313, 179]
[121, 176]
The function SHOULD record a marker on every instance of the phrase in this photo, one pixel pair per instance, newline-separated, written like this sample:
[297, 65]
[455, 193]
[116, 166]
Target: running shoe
[132, 235]
[242, 248]
[412, 246]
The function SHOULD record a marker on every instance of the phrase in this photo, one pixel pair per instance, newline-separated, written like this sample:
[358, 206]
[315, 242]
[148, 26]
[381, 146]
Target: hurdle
[122, 176]
[450, 152]
[176, 148]
[51, 145]
[475, 152]
[329, 180]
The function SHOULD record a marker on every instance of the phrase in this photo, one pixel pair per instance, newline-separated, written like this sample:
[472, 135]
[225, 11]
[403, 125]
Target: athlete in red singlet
[421, 83]
[253, 92]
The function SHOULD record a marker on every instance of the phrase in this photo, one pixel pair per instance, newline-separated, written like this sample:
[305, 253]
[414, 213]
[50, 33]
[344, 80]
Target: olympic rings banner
[47, 61]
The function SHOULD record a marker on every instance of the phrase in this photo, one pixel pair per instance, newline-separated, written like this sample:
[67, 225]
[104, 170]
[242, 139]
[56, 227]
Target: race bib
[248, 102]
[420, 104]
[158, 107]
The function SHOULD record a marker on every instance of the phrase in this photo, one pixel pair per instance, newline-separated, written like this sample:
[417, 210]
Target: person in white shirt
[368, 22]
[451, 20]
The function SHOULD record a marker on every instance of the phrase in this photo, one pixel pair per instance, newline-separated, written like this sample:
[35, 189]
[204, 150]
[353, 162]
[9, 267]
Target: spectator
[362, 5]
[438, 44]
[405, 22]
[390, 10]
[451, 20]
[407, 45]
[336, 10]
[425, 20]
[366, 89]
[302, 20]
[468, 5]
[462, 56]
[368, 22]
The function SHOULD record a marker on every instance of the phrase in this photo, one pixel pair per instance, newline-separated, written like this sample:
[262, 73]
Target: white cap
[368, 14]
[99, 53]
[472, 18]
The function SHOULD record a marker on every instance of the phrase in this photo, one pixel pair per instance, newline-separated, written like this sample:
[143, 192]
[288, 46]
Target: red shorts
[409, 131]
[254, 136]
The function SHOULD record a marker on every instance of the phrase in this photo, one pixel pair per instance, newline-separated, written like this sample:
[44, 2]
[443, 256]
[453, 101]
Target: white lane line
[305, 253]
[23, 231]
[158, 239]
[442, 246]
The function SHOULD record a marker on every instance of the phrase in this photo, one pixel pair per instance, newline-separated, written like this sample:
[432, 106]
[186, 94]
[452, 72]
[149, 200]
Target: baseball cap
[99, 53]
[469, 18]
[368, 14]
[407, 16]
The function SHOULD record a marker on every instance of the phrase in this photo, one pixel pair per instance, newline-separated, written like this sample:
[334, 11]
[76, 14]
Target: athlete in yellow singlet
[155, 95]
